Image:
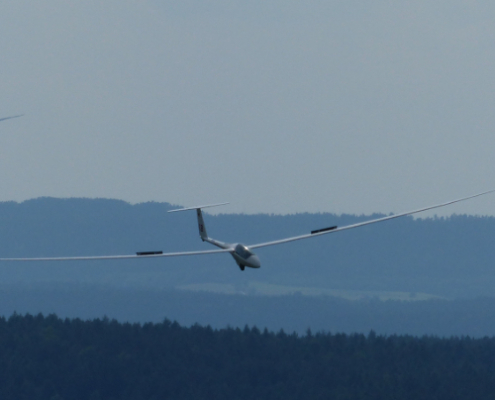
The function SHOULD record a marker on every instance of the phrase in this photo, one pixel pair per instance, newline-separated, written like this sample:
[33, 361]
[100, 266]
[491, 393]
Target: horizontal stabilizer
[324, 230]
[148, 253]
[198, 207]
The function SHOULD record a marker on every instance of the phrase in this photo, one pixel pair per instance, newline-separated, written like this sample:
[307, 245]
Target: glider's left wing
[332, 229]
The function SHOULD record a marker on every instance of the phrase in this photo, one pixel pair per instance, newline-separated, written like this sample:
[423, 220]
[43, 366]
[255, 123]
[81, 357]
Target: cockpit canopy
[243, 251]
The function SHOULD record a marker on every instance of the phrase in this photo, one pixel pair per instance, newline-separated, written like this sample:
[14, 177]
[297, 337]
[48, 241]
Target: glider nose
[254, 261]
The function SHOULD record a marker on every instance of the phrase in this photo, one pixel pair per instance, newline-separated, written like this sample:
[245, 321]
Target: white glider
[242, 254]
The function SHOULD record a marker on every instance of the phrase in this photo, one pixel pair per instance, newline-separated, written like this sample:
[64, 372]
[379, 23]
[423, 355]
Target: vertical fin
[201, 225]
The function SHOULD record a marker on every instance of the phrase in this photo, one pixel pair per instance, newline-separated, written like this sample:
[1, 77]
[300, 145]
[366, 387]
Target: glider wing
[144, 254]
[333, 229]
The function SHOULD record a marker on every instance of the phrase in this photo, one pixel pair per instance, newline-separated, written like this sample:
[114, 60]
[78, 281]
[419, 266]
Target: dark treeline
[473, 317]
[50, 358]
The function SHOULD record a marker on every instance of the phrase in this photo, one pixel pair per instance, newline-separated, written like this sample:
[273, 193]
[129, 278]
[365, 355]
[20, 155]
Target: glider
[242, 254]
[15, 116]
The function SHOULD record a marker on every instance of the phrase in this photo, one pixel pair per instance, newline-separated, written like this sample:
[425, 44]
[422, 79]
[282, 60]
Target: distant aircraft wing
[144, 254]
[333, 229]
[15, 116]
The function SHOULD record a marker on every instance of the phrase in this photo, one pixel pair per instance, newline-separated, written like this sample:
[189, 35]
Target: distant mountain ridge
[451, 257]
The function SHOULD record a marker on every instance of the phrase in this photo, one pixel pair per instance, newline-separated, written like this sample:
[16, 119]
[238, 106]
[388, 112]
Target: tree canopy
[51, 358]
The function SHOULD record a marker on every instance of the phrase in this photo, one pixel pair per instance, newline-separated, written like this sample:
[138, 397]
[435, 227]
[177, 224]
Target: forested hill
[49, 358]
[451, 257]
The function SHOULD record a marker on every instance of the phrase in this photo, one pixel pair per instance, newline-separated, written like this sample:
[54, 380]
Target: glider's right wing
[138, 255]
[143, 254]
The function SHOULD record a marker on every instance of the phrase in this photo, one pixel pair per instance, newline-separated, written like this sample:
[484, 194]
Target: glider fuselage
[241, 253]
[245, 257]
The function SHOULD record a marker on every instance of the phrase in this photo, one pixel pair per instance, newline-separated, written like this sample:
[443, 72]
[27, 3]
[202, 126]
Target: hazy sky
[276, 106]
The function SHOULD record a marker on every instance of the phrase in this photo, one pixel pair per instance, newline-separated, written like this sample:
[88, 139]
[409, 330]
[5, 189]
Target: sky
[276, 106]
